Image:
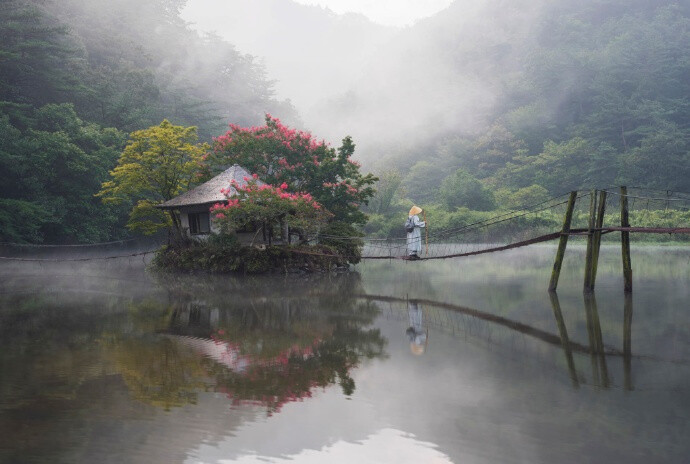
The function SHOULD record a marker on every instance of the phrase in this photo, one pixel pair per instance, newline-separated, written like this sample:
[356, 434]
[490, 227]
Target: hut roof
[209, 192]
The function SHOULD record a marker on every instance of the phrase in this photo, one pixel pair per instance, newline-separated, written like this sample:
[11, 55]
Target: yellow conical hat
[416, 349]
[415, 210]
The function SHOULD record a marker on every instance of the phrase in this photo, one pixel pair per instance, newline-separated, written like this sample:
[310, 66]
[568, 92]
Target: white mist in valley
[385, 86]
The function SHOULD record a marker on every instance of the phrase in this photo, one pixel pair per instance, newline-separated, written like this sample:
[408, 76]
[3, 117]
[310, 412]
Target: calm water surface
[462, 361]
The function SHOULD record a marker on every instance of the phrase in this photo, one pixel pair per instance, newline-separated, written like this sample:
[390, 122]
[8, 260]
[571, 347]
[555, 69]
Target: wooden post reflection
[565, 341]
[627, 342]
[592, 343]
[596, 342]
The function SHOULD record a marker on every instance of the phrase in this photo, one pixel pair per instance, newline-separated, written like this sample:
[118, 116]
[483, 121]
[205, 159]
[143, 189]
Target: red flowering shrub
[295, 160]
[268, 206]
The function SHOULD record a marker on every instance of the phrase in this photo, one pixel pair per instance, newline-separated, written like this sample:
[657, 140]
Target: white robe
[414, 238]
[416, 332]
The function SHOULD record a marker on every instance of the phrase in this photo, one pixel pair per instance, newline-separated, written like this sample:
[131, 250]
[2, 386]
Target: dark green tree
[463, 189]
[52, 171]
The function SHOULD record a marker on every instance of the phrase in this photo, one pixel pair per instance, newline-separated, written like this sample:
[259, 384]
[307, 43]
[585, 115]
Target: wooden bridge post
[587, 288]
[597, 238]
[555, 274]
[625, 242]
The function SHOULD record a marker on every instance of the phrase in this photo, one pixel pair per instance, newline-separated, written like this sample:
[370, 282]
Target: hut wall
[185, 213]
[245, 238]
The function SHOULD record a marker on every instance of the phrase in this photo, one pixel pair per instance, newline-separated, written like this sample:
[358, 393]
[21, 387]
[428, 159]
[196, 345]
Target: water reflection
[565, 340]
[120, 368]
[597, 350]
[386, 445]
[417, 332]
[627, 341]
[600, 373]
[257, 350]
[459, 321]
[267, 347]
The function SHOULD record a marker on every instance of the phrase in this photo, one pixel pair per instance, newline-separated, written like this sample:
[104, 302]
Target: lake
[458, 361]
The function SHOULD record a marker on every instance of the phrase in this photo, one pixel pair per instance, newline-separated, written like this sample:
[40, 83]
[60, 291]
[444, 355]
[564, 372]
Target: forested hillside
[76, 77]
[519, 94]
[488, 104]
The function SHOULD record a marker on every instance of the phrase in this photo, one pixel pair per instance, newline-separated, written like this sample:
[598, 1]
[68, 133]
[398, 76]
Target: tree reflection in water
[263, 350]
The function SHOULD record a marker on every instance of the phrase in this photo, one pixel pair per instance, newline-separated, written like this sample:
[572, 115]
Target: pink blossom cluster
[292, 139]
[285, 370]
[292, 135]
[219, 209]
[222, 141]
[348, 187]
[276, 402]
[282, 162]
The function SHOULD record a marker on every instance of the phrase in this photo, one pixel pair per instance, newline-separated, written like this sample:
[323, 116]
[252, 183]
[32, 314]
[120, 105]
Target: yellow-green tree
[157, 164]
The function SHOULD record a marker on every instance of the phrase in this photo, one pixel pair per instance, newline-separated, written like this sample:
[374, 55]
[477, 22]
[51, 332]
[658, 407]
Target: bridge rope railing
[111, 250]
[79, 245]
[475, 236]
[650, 211]
[465, 233]
[66, 259]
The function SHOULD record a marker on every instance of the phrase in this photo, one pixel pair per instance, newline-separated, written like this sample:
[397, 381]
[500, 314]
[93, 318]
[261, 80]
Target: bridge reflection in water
[268, 348]
[467, 322]
[243, 339]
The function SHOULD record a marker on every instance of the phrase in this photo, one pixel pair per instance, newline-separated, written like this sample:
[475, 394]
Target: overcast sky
[387, 12]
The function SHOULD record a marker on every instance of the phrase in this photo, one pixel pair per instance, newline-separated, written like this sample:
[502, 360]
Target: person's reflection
[417, 333]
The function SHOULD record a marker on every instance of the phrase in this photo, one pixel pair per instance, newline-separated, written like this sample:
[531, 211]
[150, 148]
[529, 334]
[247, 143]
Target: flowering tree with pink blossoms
[269, 208]
[281, 155]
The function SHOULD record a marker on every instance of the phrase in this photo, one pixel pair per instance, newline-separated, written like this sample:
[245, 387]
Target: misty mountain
[445, 74]
[76, 76]
[311, 52]
[200, 79]
[485, 85]
[521, 98]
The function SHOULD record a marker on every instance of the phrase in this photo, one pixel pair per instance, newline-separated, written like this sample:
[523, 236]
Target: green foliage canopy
[73, 82]
[463, 189]
[157, 164]
[51, 169]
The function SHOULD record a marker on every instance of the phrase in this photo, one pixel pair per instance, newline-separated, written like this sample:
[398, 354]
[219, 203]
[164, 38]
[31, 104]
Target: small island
[260, 199]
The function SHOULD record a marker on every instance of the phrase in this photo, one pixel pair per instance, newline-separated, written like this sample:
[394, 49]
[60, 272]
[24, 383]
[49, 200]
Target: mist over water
[114, 364]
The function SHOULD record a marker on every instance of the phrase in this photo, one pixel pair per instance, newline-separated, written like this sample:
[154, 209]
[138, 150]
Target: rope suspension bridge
[583, 214]
[578, 213]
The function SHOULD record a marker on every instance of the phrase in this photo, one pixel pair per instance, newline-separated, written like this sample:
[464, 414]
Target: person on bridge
[413, 227]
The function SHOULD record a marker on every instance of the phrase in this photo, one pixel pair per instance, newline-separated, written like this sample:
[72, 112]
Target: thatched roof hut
[194, 205]
[209, 193]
